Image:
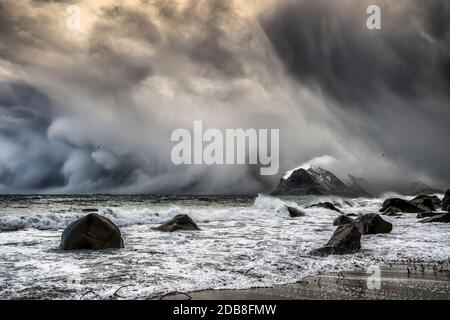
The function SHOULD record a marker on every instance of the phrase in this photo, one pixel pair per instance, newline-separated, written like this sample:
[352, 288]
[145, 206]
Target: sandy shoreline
[401, 280]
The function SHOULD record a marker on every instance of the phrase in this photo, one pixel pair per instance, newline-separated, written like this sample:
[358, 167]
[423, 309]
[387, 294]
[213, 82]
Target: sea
[243, 242]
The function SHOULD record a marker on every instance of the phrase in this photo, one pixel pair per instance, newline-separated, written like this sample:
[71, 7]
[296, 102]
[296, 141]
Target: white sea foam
[240, 245]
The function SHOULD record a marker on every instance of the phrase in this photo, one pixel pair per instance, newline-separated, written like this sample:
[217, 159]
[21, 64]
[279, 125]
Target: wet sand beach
[398, 281]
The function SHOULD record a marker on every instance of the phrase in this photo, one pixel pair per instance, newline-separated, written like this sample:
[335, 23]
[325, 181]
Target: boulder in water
[372, 223]
[430, 202]
[91, 232]
[345, 240]
[428, 214]
[179, 222]
[445, 217]
[325, 205]
[402, 206]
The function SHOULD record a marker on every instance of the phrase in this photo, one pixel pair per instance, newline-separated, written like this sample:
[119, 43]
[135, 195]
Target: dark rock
[179, 222]
[92, 232]
[446, 201]
[445, 217]
[325, 205]
[312, 181]
[341, 220]
[428, 214]
[372, 223]
[298, 183]
[294, 212]
[430, 202]
[89, 210]
[345, 240]
[402, 205]
[392, 212]
[351, 215]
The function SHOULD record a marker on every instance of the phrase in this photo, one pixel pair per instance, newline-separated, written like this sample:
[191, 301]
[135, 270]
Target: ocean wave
[44, 221]
[272, 203]
[124, 217]
[55, 221]
[264, 207]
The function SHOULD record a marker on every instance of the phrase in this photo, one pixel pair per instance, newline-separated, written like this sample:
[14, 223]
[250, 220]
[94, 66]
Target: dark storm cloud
[93, 110]
[40, 163]
[436, 18]
[332, 48]
[24, 105]
[77, 127]
[196, 31]
[390, 87]
[24, 117]
[210, 48]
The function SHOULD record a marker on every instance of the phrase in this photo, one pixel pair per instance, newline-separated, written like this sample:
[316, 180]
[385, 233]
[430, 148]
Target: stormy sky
[91, 110]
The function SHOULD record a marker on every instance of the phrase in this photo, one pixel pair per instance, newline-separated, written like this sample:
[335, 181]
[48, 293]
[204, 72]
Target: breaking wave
[264, 207]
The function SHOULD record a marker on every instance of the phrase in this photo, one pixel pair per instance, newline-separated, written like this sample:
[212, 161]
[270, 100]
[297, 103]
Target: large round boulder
[372, 223]
[91, 232]
[345, 240]
[179, 222]
[401, 205]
